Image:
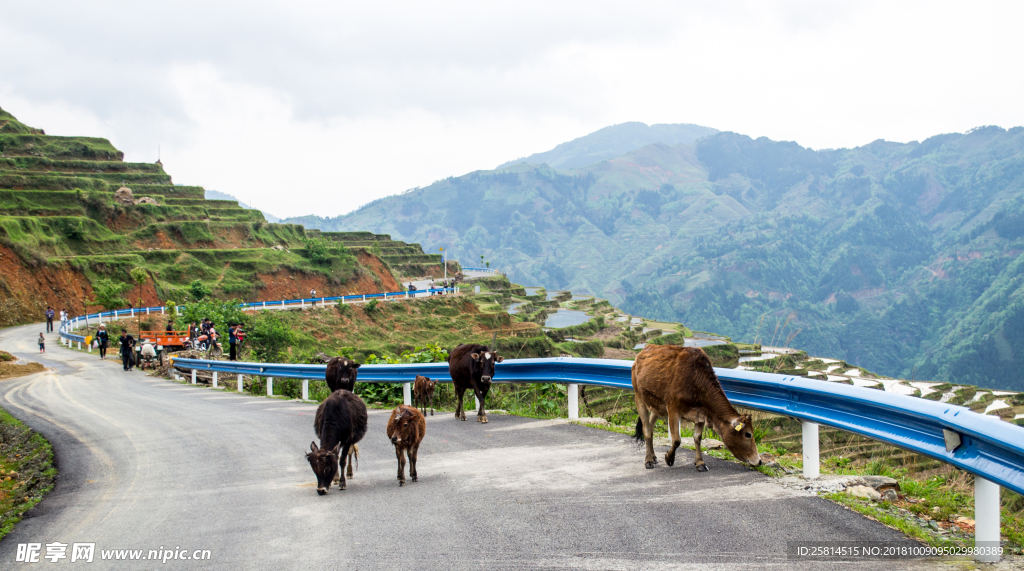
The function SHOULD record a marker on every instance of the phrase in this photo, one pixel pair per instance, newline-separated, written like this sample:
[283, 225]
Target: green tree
[268, 337]
[199, 290]
[109, 294]
[220, 312]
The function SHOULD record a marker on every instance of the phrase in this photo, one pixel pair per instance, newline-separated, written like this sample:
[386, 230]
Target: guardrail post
[239, 382]
[193, 376]
[574, 401]
[133, 312]
[986, 519]
[161, 311]
[305, 389]
[88, 347]
[215, 379]
[407, 393]
[79, 345]
[270, 386]
[147, 311]
[810, 438]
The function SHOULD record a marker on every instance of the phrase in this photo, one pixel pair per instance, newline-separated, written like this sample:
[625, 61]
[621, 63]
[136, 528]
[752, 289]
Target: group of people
[443, 285]
[205, 331]
[51, 313]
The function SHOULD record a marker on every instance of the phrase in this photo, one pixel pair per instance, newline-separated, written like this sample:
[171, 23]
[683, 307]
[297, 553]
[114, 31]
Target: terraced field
[74, 214]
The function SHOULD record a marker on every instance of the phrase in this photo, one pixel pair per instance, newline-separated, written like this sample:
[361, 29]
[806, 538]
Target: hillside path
[147, 463]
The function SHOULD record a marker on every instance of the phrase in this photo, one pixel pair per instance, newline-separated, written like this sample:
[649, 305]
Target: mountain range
[904, 258]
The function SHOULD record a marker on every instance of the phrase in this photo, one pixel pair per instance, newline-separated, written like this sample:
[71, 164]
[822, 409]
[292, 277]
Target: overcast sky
[319, 107]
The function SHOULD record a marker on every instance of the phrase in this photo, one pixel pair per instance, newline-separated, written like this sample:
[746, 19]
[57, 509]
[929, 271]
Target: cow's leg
[647, 427]
[431, 405]
[698, 433]
[673, 434]
[459, 412]
[352, 454]
[399, 451]
[481, 415]
[341, 469]
[413, 451]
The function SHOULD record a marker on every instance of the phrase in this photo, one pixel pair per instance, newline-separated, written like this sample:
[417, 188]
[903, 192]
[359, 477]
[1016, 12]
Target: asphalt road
[147, 463]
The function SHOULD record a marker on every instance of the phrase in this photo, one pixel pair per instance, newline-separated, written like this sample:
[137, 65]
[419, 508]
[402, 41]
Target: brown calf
[679, 383]
[406, 428]
[423, 393]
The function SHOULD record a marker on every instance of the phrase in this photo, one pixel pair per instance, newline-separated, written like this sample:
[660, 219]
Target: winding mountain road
[147, 463]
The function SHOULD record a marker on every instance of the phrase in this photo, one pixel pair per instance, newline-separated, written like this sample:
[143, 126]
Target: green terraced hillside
[74, 214]
[407, 260]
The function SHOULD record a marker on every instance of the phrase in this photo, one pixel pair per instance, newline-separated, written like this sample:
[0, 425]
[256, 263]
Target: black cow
[341, 374]
[471, 366]
[340, 422]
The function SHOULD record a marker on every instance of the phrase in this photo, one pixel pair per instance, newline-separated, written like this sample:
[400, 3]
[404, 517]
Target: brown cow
[406, 428]
[679, 383]
[423, 393]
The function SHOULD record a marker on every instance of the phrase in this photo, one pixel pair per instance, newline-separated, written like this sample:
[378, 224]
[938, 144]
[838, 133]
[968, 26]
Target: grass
[27, 472]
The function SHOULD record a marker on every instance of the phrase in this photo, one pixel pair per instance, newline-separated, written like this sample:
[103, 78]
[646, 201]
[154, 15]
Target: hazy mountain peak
[614, 141]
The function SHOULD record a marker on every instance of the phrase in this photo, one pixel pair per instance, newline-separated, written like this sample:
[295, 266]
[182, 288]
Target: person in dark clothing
[127, 347]
[170, 326]
[103, 340]
[232, 339]
[49, 319]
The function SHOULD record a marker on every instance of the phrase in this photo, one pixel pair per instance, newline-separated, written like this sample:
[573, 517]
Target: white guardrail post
[810, 439]
[193, 376]
[407, 393]
[239, 382]
[986, 519]
[215, 379]
[574, 401]
[305, 389]
[270, 386]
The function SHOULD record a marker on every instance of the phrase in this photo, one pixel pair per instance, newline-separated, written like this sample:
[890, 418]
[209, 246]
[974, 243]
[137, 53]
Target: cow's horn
[739, 427]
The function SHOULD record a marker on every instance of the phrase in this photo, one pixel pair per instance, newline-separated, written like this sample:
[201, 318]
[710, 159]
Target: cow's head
[405, 427]
[325, 465]
[427, 383]
[483, 364]
[346, 371]
[738, 436]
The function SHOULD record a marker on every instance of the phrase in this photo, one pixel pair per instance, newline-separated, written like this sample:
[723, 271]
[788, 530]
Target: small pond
[512, 307]
[690, 343]
[553, 294]
[532, 290]
[762, 357]
[566, 318]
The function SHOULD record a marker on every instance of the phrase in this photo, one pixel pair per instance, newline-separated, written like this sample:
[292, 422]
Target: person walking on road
[49, 319]
[103, 340]
[232, 339]
[127, 346]
[63, 317]
[42, 343]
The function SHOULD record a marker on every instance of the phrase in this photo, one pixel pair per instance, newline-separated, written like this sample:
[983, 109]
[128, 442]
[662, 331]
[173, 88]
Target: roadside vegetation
[27, 472]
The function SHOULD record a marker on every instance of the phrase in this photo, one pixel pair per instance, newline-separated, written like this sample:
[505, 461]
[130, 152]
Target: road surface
[147, 463]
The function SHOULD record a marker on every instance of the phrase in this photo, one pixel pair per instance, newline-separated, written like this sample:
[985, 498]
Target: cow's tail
[638, 436]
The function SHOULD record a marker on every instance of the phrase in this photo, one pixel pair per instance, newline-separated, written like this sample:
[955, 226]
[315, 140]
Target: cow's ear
[312, 447]
[475, 356]
[337, 449]
[499, 359]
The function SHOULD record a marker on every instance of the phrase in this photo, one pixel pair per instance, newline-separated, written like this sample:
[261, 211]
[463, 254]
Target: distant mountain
[615, 141]
[217, 195]
[906, 259]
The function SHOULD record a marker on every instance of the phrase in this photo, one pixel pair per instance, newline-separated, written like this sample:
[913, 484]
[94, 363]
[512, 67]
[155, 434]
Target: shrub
[109, 294]
[199, 290]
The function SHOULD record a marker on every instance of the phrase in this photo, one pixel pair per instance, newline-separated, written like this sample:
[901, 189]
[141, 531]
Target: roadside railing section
[68, 338]
[985, 446]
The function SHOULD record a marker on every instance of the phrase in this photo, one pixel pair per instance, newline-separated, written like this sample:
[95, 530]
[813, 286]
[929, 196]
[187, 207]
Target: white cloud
[320, 108]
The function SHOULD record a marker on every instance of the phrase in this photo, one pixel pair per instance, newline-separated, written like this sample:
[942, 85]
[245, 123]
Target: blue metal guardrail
[488, 270]
[66, 334]
[988, 447]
